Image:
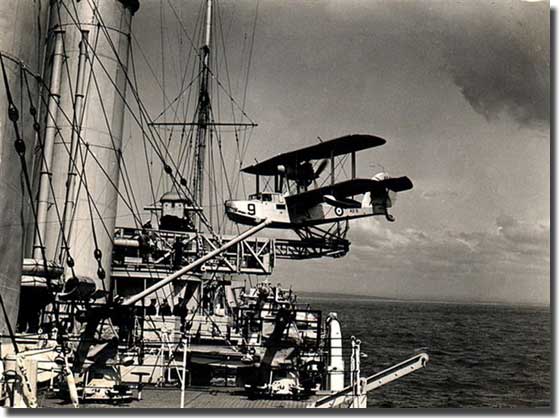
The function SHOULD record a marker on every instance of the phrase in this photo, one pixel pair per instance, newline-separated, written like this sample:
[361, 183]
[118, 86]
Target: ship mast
[202, 132]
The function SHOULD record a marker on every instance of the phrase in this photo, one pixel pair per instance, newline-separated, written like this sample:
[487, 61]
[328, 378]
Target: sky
[460, 91]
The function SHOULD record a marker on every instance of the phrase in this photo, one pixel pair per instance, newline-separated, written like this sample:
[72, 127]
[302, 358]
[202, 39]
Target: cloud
[477, 265]
[512, 237]
[496, 53]
[501, 63]
[528, 238]
[441, 195]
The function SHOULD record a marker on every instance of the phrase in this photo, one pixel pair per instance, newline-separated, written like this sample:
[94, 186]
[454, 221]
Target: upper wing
[310, 198]
[334, 147]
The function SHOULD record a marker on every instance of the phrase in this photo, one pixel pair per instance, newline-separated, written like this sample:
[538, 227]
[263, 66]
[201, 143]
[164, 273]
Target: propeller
[391, 186]
[303, 174]
[320, 168]
[322, 165]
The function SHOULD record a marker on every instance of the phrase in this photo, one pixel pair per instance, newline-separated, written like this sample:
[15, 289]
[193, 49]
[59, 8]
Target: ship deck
[206, 398]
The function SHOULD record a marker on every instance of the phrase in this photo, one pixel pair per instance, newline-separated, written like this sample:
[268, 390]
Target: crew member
[180, 310]
[164, 308]
[151, 309]
[178, 253]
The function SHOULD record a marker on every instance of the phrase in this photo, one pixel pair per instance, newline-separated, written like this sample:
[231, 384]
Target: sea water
[481, 355]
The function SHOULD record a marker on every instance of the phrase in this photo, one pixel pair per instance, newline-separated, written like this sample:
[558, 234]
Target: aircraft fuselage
[273, 206]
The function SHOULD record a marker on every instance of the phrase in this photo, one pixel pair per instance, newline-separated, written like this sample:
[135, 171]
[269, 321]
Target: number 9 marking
[251, 209]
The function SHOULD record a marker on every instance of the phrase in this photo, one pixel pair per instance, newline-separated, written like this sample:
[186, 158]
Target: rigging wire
[149, 161]
[37, 129]
[251, 48]
[219, 84]
[68, 77]
[193, 44]
[179, 95]
[250, 54]
[164, 97]
[181, 186]
[147, 61]
[236, 130]
[187, 147]
[83, 182]
[214, 129]
[168, 169]
[118, 154]
[11, 333]
[194, 78]
[51, 187]
[76, 126]
[68, 151]
[97, 252]
[20, 147]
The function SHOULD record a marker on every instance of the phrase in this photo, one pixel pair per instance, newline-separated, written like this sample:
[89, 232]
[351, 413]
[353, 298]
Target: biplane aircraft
[292, 204]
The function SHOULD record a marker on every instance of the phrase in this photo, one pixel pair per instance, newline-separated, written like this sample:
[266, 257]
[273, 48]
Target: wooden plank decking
[203, 398]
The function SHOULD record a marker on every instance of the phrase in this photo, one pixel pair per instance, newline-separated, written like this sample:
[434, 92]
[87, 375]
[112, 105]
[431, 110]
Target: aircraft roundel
[338, 211]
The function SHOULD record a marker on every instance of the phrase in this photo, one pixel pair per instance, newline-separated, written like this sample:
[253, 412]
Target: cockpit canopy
[266, 197]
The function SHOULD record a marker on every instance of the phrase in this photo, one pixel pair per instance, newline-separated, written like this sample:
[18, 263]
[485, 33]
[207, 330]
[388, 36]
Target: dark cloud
[502, 64]
[497, 53]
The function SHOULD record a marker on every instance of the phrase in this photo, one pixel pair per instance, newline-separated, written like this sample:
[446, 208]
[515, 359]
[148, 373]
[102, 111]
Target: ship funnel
[87, 153]
[20, 28]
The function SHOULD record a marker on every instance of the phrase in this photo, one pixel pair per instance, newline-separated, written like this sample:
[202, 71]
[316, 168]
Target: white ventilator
[335, 367]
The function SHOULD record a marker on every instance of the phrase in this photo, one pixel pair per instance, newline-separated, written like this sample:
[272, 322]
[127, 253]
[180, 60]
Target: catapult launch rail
[256, 255]
[132, 300]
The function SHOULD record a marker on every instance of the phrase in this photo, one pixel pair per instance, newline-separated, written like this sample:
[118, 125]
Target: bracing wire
[180, 186]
